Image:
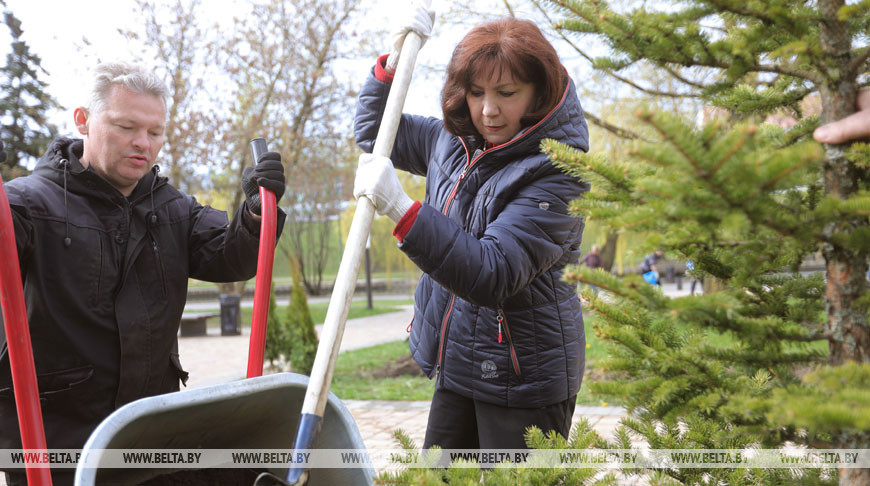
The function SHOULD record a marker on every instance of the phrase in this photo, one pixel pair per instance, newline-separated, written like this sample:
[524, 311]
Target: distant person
[106, 248]
[852, 127]
[592, 260]
[649, 267]
[690, 267]
[495, 325]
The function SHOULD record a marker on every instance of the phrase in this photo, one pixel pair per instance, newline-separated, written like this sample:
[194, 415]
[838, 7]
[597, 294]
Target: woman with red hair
[495, 325]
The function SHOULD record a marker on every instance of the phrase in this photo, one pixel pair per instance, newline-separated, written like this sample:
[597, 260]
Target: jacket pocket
[503, 326]
[55, 384]
[158, 264]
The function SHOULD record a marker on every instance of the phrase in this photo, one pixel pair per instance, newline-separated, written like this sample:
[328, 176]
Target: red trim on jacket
[404, 225]
[381, 72]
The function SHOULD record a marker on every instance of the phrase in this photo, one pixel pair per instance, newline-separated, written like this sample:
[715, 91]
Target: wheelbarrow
[256, 413]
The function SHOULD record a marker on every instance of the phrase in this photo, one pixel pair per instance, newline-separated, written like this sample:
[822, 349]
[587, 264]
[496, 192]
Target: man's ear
[80, 116]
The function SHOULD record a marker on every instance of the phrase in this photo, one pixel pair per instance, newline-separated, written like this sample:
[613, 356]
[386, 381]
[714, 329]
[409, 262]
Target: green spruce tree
[24, 104]
[776, 357]
[301, 338]
[276, 335]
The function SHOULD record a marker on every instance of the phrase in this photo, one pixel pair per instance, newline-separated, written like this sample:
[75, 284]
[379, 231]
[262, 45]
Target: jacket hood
[64, 155]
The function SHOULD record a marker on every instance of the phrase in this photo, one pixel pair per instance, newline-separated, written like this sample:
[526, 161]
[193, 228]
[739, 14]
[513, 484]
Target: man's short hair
[131, 76]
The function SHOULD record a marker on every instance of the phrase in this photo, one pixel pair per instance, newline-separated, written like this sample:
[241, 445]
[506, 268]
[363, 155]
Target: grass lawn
[353, 381]
[318, 311]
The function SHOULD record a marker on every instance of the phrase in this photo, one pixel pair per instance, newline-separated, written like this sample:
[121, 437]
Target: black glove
[2, 154]
[269, 173]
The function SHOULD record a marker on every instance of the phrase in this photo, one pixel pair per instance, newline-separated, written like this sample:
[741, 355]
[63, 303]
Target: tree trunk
[608, 251]
[846, 269]
[854, 477]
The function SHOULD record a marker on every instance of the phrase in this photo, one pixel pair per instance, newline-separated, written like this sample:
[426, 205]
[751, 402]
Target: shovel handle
[265, 261]
[19, 346]
[317, 393]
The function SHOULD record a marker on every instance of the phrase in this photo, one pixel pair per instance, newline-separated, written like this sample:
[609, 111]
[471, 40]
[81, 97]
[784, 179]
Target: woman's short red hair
[512, 45]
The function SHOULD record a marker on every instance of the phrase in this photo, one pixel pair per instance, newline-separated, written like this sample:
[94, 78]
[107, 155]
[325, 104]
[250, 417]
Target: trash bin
[231, 315]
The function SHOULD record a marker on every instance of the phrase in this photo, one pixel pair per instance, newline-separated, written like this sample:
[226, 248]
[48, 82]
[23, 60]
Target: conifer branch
[816, 336]
[618, 131]
[650, 120]
[772, 181]
[791, 71]
[710, 59]
[856, 65]
[734, 148]
[559, 28]
[744, 11]
[683, 79]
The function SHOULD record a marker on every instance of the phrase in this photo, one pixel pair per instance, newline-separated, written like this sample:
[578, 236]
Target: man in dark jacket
[106, 248]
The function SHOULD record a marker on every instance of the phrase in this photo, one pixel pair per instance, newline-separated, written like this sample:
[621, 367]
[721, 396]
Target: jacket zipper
[447, 204]
[464, 173]
[159, 263]
[450, 198]
[440, 362]
[502, 322]
[442, 340]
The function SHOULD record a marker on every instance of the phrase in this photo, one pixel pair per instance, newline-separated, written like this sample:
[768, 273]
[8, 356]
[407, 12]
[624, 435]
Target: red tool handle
[18, 345]
[265, 260]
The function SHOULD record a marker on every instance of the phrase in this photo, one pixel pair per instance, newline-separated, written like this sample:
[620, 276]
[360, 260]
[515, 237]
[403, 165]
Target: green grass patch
[595, 350]
[358, 308]
[352, 379]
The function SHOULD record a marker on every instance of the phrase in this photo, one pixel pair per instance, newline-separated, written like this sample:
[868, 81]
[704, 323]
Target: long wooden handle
[342, 294]
[345, 282]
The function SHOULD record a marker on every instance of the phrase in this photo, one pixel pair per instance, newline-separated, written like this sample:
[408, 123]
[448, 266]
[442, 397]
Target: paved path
[214, 359]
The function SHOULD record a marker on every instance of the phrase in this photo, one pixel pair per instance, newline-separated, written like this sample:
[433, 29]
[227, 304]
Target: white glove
[377, 180]
[418, 18]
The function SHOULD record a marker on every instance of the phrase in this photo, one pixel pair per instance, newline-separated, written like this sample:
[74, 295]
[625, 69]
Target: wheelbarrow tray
[256, 413]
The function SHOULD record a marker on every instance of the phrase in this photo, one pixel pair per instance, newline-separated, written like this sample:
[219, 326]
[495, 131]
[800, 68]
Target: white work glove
[377, 180]
[417, 18]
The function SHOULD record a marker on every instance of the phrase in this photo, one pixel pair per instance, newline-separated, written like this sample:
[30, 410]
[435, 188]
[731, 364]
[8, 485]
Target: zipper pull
[500, 320]
[464, 172]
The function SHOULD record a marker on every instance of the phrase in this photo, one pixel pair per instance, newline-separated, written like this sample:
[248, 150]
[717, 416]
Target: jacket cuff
[381, 70]
[249, 222]
[404, 225]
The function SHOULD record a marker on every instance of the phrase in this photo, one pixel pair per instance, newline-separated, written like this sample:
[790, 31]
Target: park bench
[194, 324]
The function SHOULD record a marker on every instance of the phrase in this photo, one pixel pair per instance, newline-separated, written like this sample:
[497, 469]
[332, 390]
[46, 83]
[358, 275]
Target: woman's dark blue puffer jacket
[493, 320]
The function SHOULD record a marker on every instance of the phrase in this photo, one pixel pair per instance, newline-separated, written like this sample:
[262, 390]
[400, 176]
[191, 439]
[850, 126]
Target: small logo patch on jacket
[544, 205]
[490, 370]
